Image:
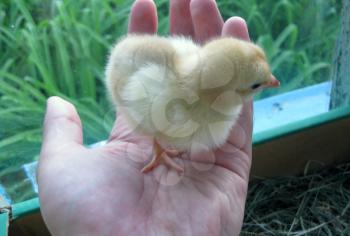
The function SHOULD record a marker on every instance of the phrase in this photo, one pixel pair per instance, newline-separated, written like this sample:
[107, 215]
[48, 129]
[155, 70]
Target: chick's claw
[163, 157]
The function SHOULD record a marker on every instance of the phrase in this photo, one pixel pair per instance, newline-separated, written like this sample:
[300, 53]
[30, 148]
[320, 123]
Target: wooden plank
[340, 95]
[314, 148]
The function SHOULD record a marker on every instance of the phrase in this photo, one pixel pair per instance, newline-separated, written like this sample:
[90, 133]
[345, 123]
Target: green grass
[54, 48]
[60, 48]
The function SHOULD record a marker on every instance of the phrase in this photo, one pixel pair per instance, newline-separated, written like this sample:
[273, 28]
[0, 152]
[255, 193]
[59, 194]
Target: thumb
[62, 126]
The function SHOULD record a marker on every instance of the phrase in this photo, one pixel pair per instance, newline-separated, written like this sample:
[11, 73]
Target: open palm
[101, 191]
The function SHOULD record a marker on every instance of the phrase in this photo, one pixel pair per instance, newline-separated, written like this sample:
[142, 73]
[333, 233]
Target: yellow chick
[184, 95]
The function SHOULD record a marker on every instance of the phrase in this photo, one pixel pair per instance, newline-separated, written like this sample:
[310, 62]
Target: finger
[180, 20]
[206, 18]
[236, 27]
[143, 17]
[62, 126]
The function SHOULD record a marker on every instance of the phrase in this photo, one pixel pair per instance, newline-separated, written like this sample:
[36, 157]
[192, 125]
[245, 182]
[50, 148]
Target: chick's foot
[163, 156]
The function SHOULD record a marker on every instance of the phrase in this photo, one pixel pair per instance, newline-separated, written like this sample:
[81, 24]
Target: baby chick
[184, 95]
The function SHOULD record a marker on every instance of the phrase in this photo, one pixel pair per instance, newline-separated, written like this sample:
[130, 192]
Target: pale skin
[102, 191]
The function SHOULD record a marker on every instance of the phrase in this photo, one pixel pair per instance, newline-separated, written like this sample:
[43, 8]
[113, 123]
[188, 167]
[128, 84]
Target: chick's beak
[273, 82]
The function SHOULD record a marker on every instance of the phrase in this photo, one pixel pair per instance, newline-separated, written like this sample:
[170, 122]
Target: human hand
[101, 191]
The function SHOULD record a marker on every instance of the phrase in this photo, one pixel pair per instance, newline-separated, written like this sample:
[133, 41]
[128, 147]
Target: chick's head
[255, 72]
[238, 65]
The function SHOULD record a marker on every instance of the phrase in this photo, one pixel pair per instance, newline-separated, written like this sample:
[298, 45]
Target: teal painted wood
[299, 126]
[4, 223]
[24, 208]
[5, 214]
[287, 108]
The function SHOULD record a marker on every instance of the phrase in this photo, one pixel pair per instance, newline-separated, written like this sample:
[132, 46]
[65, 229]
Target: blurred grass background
[60, 47]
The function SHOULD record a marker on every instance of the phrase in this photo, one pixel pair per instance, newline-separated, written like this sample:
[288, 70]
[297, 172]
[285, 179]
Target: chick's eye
[255, 86]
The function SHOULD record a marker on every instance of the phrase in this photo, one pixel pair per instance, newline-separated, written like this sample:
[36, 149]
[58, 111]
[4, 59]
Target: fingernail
[56, 106]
